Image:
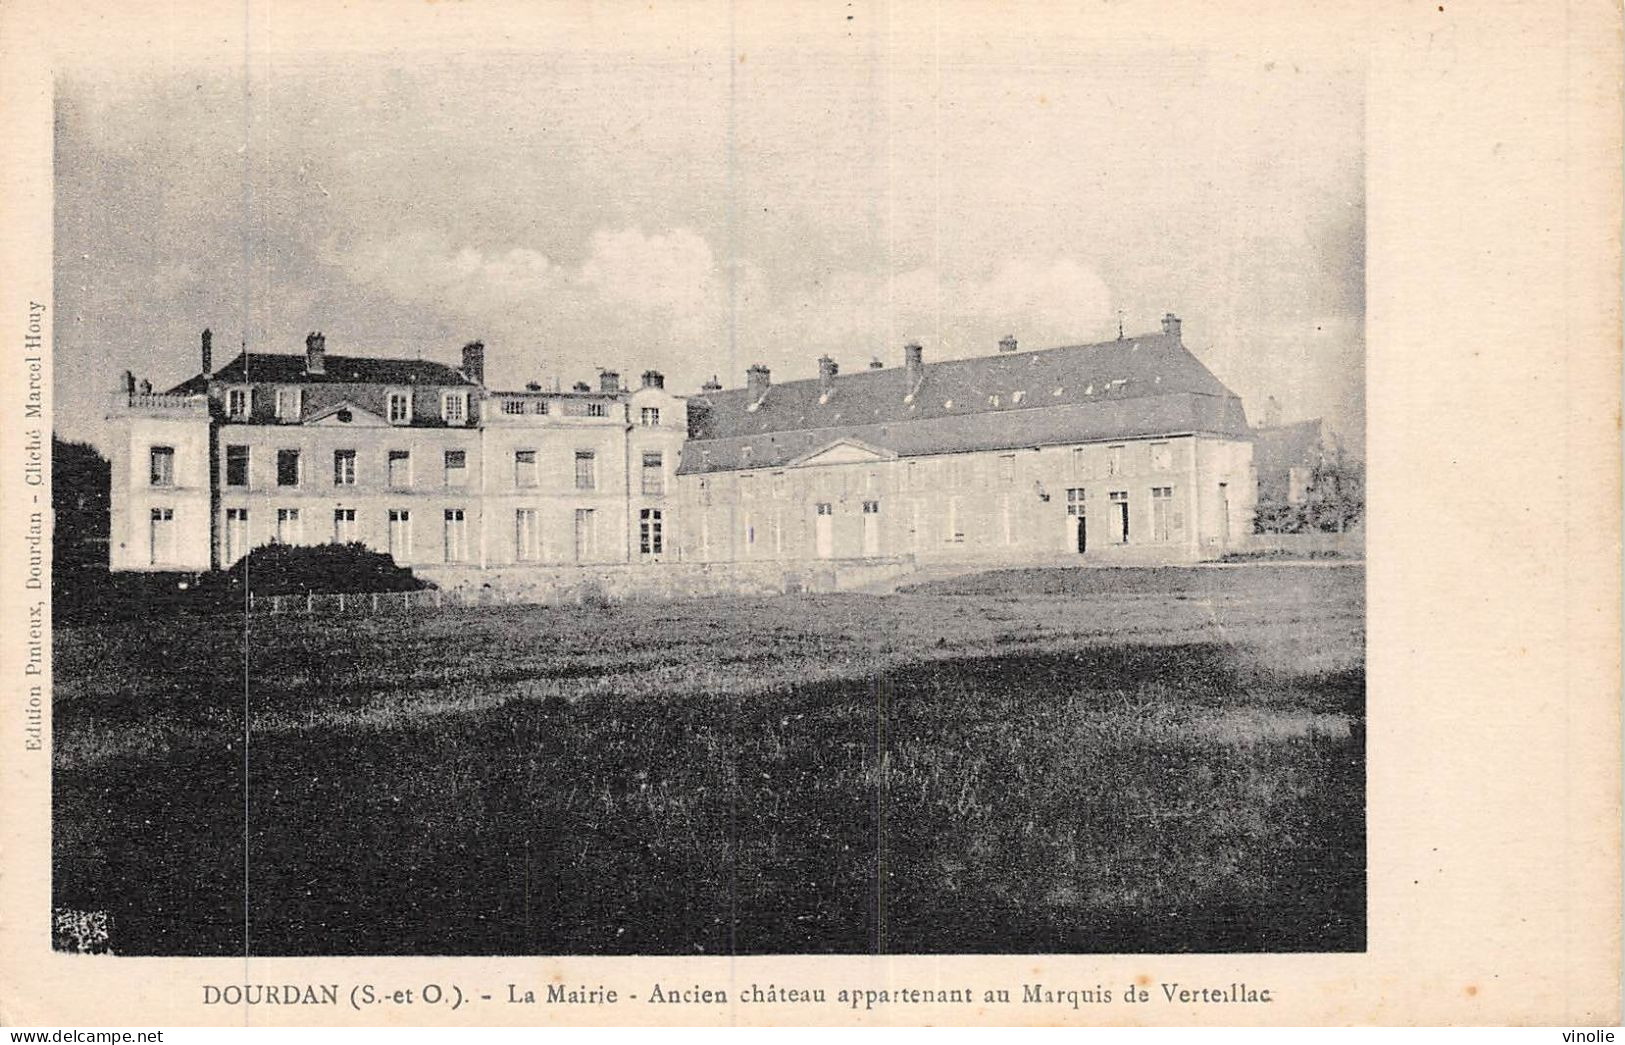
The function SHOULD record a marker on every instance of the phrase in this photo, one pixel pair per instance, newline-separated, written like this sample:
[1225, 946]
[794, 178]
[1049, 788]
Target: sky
[703, 205]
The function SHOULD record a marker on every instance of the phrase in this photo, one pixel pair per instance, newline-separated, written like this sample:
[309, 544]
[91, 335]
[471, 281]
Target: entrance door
[871, 529]
[824, 531]
[1077, 524]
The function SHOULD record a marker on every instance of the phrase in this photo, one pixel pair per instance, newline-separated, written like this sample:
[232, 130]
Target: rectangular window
[597, 409]
[539, 406]
[287, 467]
[400, 408]
[1162, 457]
[1007, 468]
[454, 407]
[163, 466]
[236, 534]
[237, 403]
[649, 417]
[705, 492]
[400, 534]
[912, 479]
[1119, 516]
[288, 530]
[651, 536]
[1074, 501]
[456, 538]
[289, 403]
[456, 468]
[343, 525]
[161, 543]
[1114, 460]
[779, 484]
[343, 467]
[586, 477]
[747, 487]
[513, 406]
[586, 535]
[654, 475]
[236, 466]
[1162, 510]
[1077, 462]
[527, 535]
[524, 468]
[400, 468]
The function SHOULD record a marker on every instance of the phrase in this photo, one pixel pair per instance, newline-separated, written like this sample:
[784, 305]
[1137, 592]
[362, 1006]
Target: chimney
[316, 353]
[145, 387]
[474, 362]
[1007, 343]
[712, 385]
[826, 373]
[876, 364]
[126, 383]
[1170, 325]
[757, 380]
[609, 381]
[533, 386]
[654, 379]
[208, 351]
[914, 361]
[581, 386]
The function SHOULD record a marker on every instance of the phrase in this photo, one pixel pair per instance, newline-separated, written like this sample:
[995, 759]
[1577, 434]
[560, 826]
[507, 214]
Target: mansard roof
[289, 369]
[1125, 388]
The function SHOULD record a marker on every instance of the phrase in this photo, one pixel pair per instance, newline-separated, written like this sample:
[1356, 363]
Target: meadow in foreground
[1031, 761]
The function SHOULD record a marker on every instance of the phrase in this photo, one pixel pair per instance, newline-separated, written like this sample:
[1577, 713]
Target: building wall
[426, 495]
[180, 540]
[1012, 505]
[226, 496]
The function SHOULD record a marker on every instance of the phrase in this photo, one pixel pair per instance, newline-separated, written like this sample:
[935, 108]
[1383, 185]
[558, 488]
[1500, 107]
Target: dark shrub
[285, 569]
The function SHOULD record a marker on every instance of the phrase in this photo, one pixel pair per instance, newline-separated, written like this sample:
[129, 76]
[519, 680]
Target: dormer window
[597, 409]
[237, 402]
[454, 407]
[400, 407]
[290, 404]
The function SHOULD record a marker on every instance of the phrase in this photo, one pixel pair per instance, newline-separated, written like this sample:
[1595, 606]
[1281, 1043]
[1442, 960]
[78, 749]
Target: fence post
[310, 602]
[375, 602]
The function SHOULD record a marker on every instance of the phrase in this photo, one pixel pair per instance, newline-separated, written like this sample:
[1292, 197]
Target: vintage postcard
[817, 513]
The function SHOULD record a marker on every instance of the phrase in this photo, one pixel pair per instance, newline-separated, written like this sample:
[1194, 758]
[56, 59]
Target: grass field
[1022, 761]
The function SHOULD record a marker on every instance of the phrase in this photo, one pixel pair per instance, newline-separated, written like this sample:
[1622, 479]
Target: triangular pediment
[843, 451]
[345, 414]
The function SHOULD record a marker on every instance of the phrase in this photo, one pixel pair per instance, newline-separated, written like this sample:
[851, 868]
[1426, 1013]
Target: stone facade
[411, 458]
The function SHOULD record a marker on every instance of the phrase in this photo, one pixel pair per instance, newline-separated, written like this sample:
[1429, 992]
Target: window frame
[298, 396]
[155, 454]
[527, 472]
[298, 458]
[404, 397]
[246, 458]
[233, 394]
[460, 470]
[586, 479]
[344, 467]
[459, 416]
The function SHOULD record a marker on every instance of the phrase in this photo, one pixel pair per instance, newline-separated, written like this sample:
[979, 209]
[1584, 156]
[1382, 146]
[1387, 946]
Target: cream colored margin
[1494, 536]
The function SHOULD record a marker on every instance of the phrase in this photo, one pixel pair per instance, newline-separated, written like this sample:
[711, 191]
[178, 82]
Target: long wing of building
[1128, 450]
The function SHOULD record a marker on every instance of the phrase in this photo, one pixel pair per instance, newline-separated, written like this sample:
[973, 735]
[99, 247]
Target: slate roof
[284, 369]
[1140, 386]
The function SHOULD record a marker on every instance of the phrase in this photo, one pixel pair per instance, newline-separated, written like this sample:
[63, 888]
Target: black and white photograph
[870, 491]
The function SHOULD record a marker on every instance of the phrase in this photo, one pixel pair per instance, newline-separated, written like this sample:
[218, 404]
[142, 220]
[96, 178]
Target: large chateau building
[1125, 451]
[411, 457]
